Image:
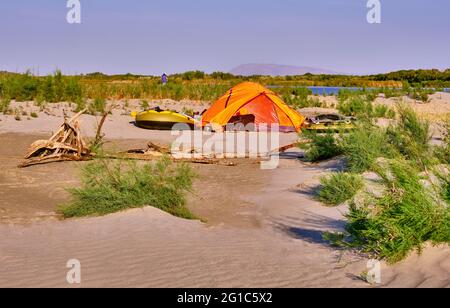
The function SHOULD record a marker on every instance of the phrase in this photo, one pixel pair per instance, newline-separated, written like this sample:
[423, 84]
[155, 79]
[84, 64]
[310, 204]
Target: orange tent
[255, 103]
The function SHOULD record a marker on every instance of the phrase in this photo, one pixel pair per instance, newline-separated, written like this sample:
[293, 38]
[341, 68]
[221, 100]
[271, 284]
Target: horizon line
[32, 71]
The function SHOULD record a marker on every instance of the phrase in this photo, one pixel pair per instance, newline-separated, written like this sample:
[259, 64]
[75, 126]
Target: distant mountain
[277, 70]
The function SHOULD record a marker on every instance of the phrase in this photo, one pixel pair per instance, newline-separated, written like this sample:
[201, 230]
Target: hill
[277, 70]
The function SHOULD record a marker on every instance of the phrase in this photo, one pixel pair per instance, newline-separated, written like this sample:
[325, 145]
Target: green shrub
[39, 101]
[298, 98]
[363, 146]
[34, 115]
[381, 111]
[97, 106]
[403, 219]
[53, 88]
[191, 75]
[446, 191]
[178, 94]
[391, 114]
[321, 147]
[4, 104]
[443, 176]
[421, 94]
[339, 188]
[47, 90]
[344, 95]
[299, 103]
[442, 152]
[58, 87]
[109, 187]
[80, 105]
[73, 90]
[222, 76]
[145, 105]
[356, 106]
[20, 87]
[411, 135]
[391, 92]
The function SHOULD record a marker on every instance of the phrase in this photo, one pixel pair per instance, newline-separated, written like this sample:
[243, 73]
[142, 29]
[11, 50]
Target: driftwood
[66, 144]
[152, 148]
[285, 148]
[152, 156]
[155, 151]
[98, 141]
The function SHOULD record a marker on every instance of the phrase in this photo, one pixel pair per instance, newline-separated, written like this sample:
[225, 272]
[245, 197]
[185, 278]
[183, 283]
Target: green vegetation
[411, 136]
[53, 88]
[34, 115]
[446, 190]
[409, 204]
[403, 219]
[109, 187]
[145, 105]
[321, 147]
[4, 104]
[442, 152]
[200, 86]
[383, 111]
[444, 177]
[360, 104]
[363, 146]
[298, 97]
[192, 75]
[97, 106]
[81, 104]
[417, 78]
[339, 187]
[355, 106]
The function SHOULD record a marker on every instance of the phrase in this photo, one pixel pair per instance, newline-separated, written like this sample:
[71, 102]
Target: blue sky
[155, 36]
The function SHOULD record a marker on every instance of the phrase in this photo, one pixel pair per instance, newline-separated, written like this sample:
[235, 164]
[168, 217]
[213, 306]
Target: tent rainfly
[251, 103]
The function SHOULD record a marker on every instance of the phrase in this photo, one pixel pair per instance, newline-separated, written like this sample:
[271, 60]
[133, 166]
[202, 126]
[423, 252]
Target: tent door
[241, 123]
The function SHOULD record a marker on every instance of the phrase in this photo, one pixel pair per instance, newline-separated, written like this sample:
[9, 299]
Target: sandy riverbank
[263, 226]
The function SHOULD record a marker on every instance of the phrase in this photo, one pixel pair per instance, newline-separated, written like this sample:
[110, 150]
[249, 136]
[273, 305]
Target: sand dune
[148, 248]
[263, 228]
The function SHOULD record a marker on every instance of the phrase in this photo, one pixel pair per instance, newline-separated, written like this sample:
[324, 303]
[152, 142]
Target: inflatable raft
[162, 120]
[329, 122]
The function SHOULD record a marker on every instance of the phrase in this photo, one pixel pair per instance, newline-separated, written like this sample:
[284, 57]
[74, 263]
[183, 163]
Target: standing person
[164, 79]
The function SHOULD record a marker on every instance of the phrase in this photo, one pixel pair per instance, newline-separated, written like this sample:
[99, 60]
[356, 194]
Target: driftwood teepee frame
[66, 144]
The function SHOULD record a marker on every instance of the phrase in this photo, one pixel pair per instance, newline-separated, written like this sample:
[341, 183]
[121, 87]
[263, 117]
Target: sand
[263, 227]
